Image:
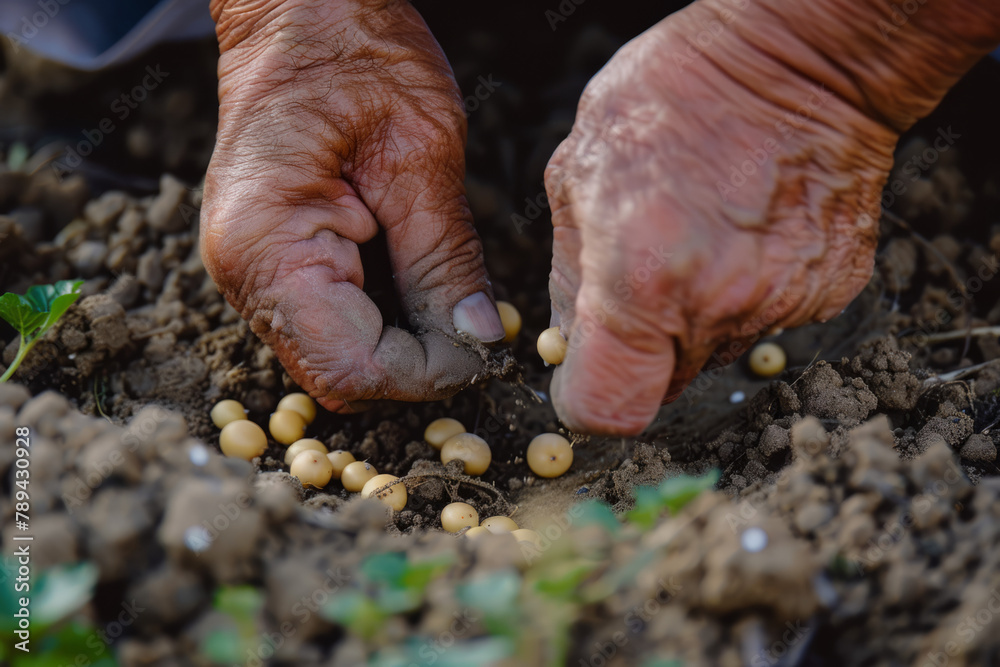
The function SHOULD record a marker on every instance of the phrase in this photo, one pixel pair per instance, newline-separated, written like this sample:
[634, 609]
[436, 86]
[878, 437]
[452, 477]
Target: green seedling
[671, 495]
[242, 605]
[394, 585]
[35, 312]
[59, 632]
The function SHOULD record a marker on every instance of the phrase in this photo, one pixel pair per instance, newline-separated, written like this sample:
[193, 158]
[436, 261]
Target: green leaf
[494, 594]
[62, 591]
[386, 568]
[597, 513]
[223, 646]
[240, 602]
[417, 576]
[648, 506]
[355, 611]
[679, 491]
[20, 313]
[564, 580]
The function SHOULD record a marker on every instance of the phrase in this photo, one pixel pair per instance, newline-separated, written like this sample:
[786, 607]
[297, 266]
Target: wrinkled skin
[707, 196]
[338, 119]
[704, 196]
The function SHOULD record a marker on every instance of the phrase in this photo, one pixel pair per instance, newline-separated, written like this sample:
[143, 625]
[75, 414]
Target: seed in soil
[439, 430]
[456, 516]
[356, 474]
[549, 455]
[312, 468]
[287, 426]
[470, 449]
[300, 403]
[303, 445]
[340, 460]
[394, 496]
[767, 360]
[527, 535]
[476, 532]
[227, 411]
[511, 320]
[243, 439]
[499, 524]
[552, 346]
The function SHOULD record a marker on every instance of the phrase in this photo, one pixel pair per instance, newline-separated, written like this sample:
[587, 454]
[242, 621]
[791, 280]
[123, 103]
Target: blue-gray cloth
[93, 34]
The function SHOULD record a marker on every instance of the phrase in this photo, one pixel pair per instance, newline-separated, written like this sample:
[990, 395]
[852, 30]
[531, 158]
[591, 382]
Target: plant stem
[22, 351]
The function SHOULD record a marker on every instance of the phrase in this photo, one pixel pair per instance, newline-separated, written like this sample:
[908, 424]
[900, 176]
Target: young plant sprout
[243, 439]
[511, 320]
[527, 535]
[470, 449]
[439, 430]
[549, 455]
[456, 516]
[34, 313]
[356, 474]
[340, 460]
[286, 426]
[312, 468]
[552, 346]
[499, 524]
[767, 360]
[303, 445]
[394, 496]
[300, 403]
[227, 411]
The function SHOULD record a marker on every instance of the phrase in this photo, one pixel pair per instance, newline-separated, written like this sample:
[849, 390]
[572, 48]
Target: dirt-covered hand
[704, 196]
[336, 120]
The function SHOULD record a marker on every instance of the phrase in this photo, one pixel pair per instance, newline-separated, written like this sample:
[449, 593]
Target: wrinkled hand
[698, 202]
[336, 120]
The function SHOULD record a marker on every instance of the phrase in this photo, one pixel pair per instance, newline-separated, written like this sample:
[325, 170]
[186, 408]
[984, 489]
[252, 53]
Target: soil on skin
[869, 466]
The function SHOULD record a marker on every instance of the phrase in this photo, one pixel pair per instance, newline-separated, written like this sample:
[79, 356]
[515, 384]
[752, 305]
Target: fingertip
[607, 387]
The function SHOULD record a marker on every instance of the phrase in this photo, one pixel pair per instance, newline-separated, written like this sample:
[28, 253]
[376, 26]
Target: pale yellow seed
[549, 455]
[456, 516]
[300, 403]
[228, 411]
[303, 445]
[499, 524]
[439, 430]
[527, 535]
[767, 360]
[243, 439]
[470, 449]
[394, 496]
[287, 426]
[312, 468]
[511, 320]
[356, 474]
[476, 532]
[340, 460]
[552, 346]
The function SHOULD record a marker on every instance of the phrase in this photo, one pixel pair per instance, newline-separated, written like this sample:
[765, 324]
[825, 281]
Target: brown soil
[869, 465]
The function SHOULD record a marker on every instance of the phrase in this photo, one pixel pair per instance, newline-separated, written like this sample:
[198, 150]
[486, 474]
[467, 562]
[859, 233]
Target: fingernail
[476, 315]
